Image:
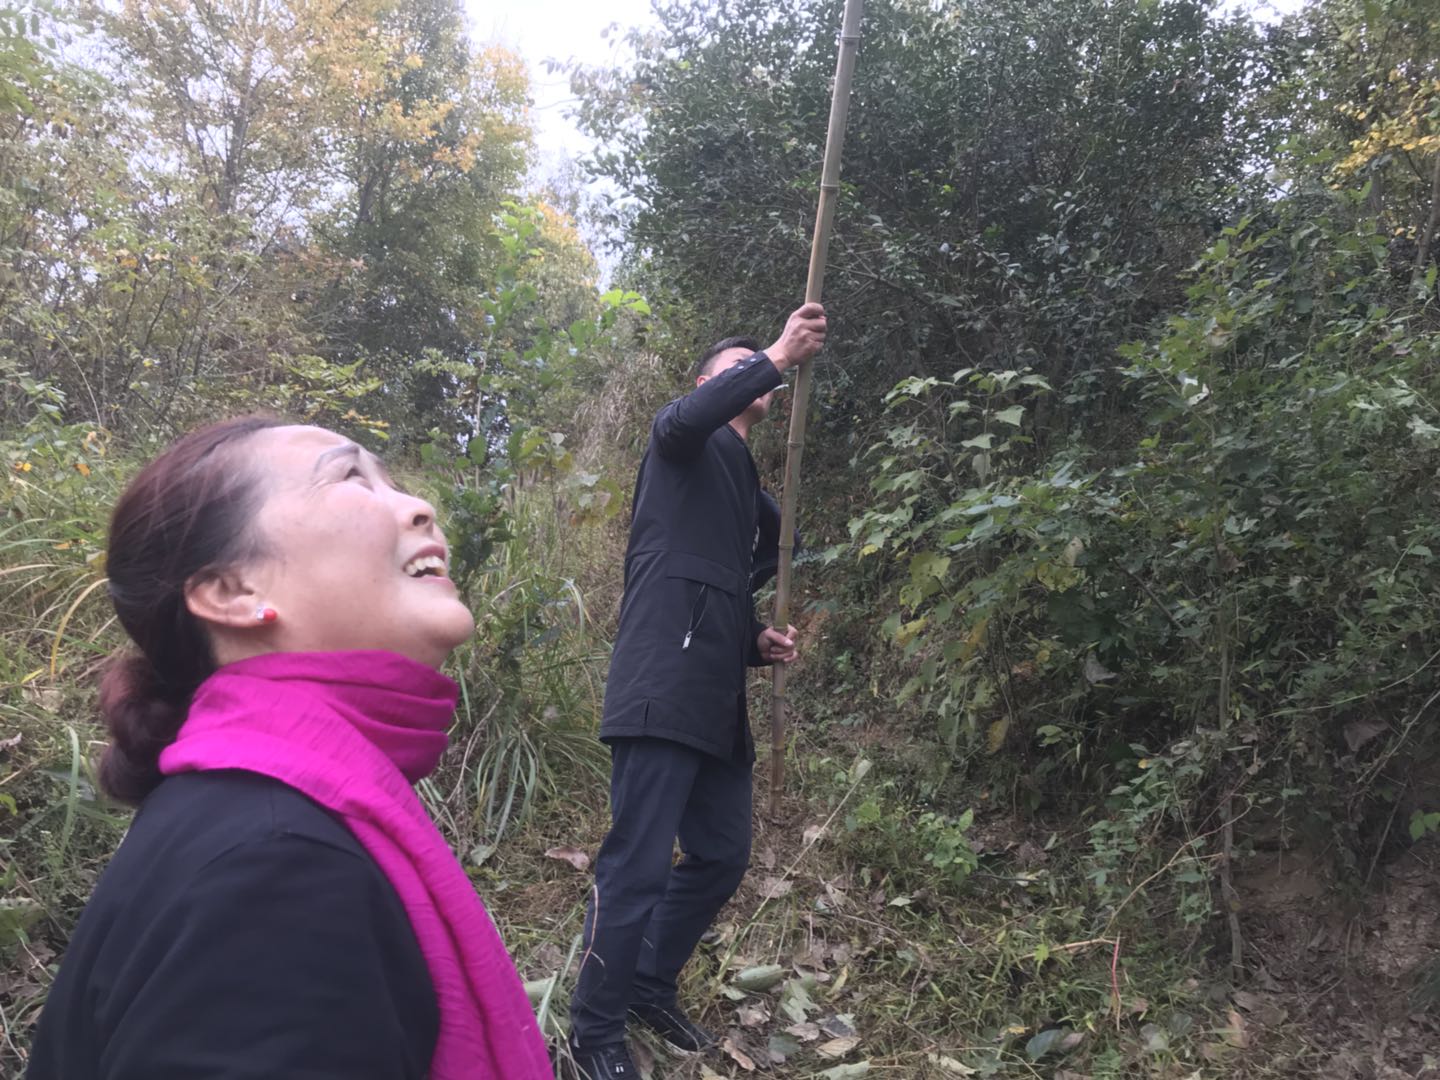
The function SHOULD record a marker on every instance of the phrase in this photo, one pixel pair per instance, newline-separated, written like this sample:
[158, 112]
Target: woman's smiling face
[348, 561]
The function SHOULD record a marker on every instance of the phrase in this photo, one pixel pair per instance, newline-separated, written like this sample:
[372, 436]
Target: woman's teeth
[426, 564]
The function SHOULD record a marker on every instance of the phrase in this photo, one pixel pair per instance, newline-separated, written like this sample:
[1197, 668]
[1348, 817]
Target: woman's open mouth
[426, 566]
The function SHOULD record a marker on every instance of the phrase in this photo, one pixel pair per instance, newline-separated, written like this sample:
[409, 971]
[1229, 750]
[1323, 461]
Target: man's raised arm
[681, 427]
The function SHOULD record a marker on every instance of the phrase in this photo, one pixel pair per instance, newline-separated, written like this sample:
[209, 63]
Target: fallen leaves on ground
[572, 855]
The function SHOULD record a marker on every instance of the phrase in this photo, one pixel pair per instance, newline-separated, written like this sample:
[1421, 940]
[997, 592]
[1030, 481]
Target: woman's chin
[457, 628]
[436, 633]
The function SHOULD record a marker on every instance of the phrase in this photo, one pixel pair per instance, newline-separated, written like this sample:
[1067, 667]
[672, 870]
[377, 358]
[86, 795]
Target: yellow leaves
[1057, 577]
[26, 466]
[974, 639]
[555, 221]
[416, 122]
[503, 70]
[360, 52]
[908, 632]
[995, 735]
[461, 157]
[368, 421]
[1401, 118]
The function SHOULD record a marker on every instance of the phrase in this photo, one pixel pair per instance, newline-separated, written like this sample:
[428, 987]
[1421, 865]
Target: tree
[1023, 181]
[257, 203]
[427, 155]
[1388, 57]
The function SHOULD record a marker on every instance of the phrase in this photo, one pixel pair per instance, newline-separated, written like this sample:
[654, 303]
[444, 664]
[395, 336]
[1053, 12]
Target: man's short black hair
[702, 366]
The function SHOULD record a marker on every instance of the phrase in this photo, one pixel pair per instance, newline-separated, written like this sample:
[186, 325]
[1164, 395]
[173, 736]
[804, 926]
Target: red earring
[266, 614]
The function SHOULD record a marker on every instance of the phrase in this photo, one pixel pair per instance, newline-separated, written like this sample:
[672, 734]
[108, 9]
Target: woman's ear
[225, 598]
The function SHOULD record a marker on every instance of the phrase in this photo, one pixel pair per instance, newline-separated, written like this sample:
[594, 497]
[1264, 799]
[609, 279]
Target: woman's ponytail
[142, 720]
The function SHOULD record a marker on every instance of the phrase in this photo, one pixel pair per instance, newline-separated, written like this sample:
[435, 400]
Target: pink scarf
[353, 731]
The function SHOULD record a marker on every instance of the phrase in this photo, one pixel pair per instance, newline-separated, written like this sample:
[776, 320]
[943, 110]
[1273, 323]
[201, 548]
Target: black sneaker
[611, 1062]
[674, 1027]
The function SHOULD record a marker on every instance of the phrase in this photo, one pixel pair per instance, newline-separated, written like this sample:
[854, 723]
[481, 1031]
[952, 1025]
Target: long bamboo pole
[795, 446]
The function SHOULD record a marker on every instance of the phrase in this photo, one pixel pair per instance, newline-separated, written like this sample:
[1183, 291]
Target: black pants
[646, 916]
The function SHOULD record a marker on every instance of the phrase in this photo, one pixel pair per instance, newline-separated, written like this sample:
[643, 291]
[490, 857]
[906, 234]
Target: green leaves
[1422, 823]
[1052, 1043]
[760, 979]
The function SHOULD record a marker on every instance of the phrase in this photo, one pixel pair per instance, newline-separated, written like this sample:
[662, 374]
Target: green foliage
[24, 55]
[1283, 431]
[520, 379]
[948, 850]
[526, 369]
[292, 235]
[891, 837]
[1422, 823]
[1136, 368]
[1022, 180]
[533, 665]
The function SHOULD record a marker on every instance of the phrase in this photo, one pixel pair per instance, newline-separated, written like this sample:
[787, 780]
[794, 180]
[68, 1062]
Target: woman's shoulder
[208, 813]
[195, 826]
[241, 848]
[238, 913]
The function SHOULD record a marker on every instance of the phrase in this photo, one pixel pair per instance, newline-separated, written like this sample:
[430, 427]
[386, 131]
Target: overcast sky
[541, 30]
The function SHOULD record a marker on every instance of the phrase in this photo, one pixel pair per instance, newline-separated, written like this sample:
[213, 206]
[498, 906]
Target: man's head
[711, 362]
[722, 356]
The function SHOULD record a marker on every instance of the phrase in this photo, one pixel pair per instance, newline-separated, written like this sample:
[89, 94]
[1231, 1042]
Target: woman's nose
[421, 513]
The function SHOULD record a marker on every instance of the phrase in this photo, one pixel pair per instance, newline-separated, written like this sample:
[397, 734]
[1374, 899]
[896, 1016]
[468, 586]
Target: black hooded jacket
[702, 537]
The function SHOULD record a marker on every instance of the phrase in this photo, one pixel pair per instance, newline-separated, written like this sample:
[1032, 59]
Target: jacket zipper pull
[694, 622]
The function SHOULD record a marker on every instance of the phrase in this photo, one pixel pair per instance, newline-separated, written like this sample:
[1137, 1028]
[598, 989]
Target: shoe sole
[684, 1051]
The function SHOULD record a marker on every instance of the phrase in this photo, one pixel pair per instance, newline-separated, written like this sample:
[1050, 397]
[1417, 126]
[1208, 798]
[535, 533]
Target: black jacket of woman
[239, 933]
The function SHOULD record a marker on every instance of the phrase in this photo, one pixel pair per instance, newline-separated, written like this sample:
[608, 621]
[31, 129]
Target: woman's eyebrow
[343, 450]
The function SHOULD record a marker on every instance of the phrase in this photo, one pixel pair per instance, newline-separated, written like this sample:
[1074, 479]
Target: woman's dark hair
[186, 514]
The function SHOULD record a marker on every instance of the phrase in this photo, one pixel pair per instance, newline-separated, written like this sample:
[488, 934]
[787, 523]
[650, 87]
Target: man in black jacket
[675, 716]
